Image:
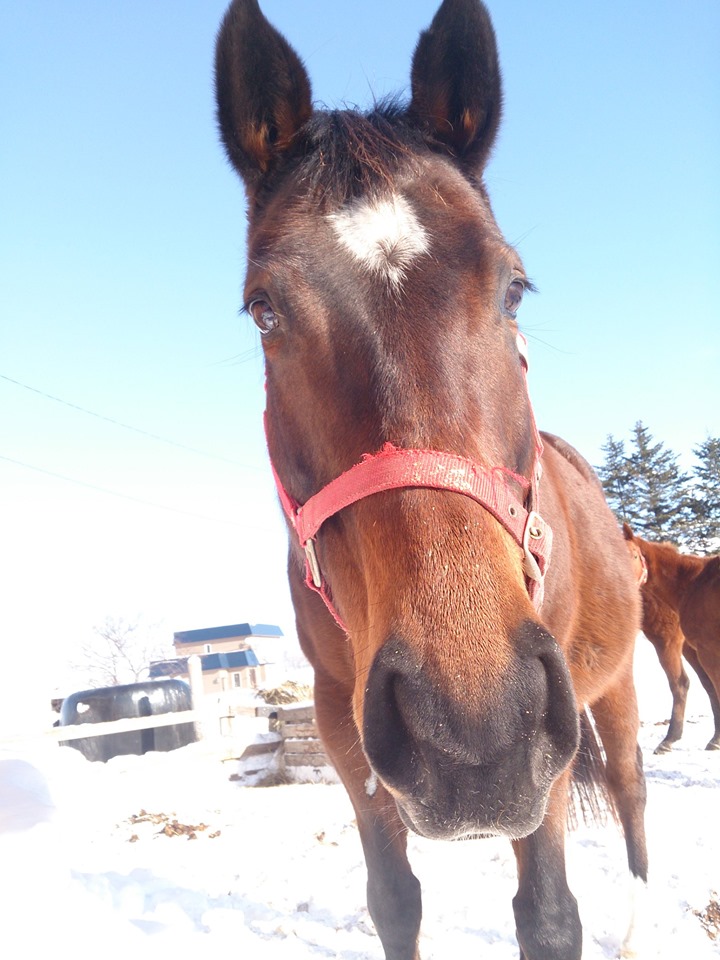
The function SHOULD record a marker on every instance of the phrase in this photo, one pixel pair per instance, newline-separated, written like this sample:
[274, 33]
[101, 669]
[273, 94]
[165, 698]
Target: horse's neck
[671, 575]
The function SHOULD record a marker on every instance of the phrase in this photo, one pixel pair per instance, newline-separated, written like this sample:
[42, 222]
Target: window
[208, 648]
[236, 680]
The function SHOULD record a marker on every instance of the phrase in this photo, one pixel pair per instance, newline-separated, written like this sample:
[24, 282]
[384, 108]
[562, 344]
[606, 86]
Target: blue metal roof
[233, 660]
[229, 661]
[226, 633]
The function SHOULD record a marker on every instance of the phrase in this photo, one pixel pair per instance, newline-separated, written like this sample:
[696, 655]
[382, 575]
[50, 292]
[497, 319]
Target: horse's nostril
[388, 742]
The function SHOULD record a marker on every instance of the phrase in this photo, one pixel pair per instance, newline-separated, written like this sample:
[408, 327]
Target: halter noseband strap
[395, 468]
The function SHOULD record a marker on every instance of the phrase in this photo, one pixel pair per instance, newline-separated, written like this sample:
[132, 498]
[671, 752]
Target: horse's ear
[262, 91]
[627, 532]
[456, 85]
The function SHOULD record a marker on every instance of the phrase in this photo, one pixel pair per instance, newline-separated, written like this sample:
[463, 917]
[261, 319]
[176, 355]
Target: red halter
[393, 468]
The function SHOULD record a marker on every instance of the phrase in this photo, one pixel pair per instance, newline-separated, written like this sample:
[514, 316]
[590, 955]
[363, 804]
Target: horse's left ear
[262, 92]
[627, 532]
[456, 85]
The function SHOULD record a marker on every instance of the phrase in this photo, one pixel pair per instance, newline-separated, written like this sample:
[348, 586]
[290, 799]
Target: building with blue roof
[227, 658]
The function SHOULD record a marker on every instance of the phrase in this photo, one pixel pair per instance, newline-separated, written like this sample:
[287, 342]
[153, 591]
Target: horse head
[386, 298]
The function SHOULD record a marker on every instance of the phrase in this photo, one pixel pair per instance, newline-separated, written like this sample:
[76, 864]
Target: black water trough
[147, 699]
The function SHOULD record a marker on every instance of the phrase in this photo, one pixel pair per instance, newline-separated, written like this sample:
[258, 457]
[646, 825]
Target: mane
[666, 554]
[343, 154]
[572, 456]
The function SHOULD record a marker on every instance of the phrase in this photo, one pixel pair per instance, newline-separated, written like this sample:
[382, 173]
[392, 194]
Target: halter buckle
[534, 530]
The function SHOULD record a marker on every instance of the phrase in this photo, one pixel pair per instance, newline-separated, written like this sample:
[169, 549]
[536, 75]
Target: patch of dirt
[272, 779]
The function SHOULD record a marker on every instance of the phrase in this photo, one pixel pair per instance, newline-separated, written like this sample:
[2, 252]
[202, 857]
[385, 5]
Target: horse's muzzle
[459, 768]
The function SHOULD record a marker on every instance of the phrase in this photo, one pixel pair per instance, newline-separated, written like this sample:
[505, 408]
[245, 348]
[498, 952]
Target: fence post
[202, 726]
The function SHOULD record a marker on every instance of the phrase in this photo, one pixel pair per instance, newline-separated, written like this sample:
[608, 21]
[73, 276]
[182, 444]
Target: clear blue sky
[122, 244]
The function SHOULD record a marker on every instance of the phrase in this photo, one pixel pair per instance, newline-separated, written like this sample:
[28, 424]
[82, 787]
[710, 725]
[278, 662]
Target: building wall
[212, 646]
[246, 678]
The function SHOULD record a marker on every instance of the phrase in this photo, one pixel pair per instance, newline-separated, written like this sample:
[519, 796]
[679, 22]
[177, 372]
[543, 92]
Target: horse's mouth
[466, 812]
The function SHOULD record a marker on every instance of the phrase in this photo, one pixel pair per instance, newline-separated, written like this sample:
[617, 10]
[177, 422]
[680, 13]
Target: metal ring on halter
[534, 530]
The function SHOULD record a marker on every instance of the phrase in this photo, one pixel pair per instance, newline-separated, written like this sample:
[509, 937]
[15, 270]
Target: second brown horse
[681, 618]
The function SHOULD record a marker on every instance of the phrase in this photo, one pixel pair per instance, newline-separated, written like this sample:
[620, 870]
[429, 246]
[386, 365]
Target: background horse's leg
[546, 914]
[692, 658]
[393, 892]
[617, 721]
[669, 649]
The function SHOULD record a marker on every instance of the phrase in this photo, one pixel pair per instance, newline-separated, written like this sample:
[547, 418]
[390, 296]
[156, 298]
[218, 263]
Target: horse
[460, 586]
[681, 618]
[661, 625]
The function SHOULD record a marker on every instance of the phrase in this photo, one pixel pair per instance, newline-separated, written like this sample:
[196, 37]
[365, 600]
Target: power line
[127, 496]
[126, 426]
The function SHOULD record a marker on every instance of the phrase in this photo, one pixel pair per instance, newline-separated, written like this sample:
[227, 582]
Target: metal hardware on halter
[534, 530]
[313, 564]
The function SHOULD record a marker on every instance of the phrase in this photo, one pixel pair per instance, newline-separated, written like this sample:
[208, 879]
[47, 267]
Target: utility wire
[125, 426]
[127, 496]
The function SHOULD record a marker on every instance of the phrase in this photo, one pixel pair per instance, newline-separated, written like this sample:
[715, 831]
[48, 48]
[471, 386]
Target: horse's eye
[263, 315]
[513, 297]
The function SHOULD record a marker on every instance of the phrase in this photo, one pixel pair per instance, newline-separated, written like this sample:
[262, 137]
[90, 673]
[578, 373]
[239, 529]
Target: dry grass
[710, 917]
[171, 827]
[288, 692]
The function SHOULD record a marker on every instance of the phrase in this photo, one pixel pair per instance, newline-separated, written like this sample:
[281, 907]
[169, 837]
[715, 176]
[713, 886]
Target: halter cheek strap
[394, 468]
[642, 577]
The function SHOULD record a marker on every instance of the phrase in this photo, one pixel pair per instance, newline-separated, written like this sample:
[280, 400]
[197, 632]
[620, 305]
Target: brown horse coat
[386, 298]
[681, 618]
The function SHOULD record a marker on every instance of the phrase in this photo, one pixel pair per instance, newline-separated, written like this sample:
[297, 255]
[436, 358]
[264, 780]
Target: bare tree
[121, 651]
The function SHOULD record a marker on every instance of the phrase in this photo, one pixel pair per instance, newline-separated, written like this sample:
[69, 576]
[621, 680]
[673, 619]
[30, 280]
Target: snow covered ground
[90, 860]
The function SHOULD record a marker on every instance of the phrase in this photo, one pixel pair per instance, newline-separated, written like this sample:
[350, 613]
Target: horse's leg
[712, 689]
[617, 722]
[546, 914]
[669, 651]
[393, 892]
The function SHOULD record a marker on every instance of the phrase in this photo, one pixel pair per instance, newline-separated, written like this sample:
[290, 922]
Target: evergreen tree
[704, 498]
[614, 476]
[658, 490]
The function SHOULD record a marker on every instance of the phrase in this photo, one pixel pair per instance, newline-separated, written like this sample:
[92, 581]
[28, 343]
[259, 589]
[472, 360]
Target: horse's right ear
[262, 91]
[627, 532]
